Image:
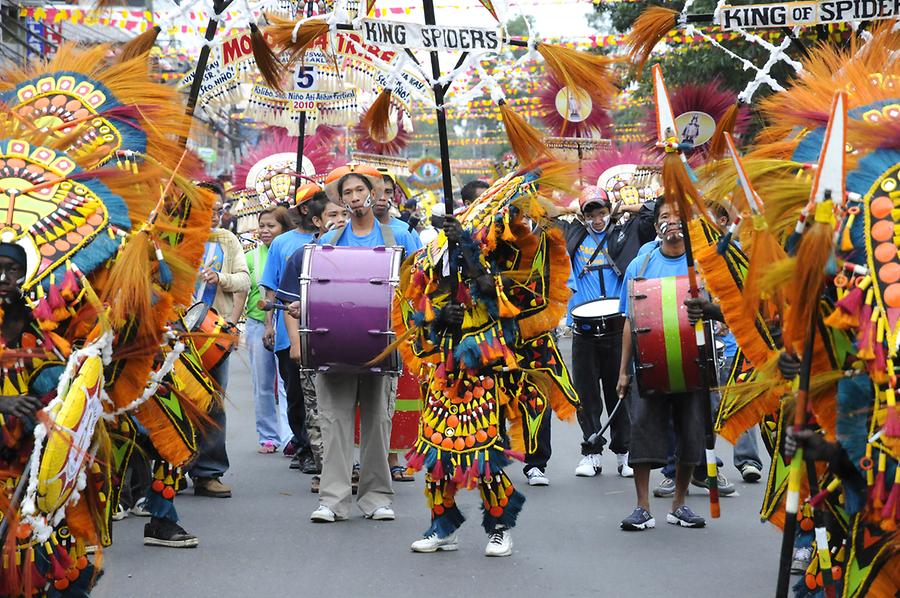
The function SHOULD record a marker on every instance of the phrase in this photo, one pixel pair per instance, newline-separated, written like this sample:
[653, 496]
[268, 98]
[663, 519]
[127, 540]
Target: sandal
[398, 474]
[266, 448]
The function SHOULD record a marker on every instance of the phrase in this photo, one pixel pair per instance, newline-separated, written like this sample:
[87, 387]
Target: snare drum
[598, 318]
[214, 338]
[345, 318]
[666, 356]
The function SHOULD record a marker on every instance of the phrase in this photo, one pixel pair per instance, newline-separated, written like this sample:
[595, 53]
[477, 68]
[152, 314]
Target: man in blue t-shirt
[382, 211]
[652, 418]
[339, 395]
[304, 455]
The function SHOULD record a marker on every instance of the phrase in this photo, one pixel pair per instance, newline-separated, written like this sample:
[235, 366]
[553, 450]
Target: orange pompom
[438, 509]
[447, 443]
[73, 573]
[478, 392]
[488, 383]
[436, 438]
[807, 524]
[61, 584]
[481, 436]
[503, 501]
[492, 431]
[496, 511]
[157, 486]
[459, 444]
[453, 421]
[470, 441]
[168, 493]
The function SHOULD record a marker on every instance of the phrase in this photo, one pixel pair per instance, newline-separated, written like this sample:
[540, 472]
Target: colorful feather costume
[844, 268]
[503, 364]
[97, 191]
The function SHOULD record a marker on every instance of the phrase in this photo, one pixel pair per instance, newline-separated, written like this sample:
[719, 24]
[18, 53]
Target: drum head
[194, 316]
[596, 309]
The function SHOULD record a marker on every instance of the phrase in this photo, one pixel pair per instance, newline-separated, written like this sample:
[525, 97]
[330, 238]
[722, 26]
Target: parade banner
[790, 14]
[431, 37]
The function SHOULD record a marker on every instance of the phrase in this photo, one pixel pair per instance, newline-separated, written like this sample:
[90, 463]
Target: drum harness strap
[609, 261]
[386, 233]
[644, 265]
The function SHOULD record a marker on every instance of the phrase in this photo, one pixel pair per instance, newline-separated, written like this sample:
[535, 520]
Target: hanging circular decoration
[425, 174]
[54, 216]
[573, 104]
[695, 127]
[570, 112]
[391, 144]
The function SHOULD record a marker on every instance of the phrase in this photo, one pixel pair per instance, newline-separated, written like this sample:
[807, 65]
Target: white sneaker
[499, 544]
[323, 515]
[624, 470]
[382, 514]
[120, 513]
[140, 508]
[536, 477]
[588, 467]
[432, 543]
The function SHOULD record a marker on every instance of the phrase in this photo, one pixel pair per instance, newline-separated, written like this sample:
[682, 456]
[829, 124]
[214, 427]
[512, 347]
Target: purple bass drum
[346, 295]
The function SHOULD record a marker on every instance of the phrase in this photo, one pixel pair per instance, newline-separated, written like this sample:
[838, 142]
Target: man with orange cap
[304, 455]
[357, 188]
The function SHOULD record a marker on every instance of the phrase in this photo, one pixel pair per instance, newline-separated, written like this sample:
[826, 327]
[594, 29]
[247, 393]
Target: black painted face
[12, 276]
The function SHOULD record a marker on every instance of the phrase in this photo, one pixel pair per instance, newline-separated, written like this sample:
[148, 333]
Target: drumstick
[270, 305]
[207, 261]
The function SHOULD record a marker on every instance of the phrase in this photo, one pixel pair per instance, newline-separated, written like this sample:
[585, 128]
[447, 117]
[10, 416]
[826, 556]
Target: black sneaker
[296, 461]
[639, 520]
[685, 517]
[163, 532]
[308, 465]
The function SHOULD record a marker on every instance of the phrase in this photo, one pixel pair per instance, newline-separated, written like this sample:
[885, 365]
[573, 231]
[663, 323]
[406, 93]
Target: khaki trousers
[338, 396]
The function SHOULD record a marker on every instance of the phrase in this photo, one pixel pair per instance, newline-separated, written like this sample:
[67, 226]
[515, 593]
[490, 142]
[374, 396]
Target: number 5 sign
[306, 78]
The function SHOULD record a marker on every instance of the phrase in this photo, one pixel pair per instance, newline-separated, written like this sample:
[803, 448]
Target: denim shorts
[650, 428]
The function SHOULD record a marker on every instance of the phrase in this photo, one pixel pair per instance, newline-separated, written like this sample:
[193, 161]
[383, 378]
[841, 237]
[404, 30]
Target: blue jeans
[746, 450]
[271, 415]
[212, 459]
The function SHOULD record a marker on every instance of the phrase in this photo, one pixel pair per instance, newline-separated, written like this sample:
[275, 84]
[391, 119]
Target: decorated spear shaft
[439, 92]
[795, 473]
[704, 343]
[301, 134]
[219, 6]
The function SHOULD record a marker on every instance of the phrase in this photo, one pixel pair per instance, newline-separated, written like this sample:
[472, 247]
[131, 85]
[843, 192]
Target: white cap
[438, 210]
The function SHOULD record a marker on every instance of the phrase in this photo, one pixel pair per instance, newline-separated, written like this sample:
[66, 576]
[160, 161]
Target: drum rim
[197, 306]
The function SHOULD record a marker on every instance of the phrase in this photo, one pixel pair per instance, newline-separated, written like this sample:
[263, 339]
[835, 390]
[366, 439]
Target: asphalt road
[567, 542]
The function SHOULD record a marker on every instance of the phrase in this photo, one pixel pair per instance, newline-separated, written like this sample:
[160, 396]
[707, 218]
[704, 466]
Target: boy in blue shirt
[651, 418]
[304, 455]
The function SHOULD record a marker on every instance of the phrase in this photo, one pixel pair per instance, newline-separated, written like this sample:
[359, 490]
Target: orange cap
[368, 172]
[305, 192]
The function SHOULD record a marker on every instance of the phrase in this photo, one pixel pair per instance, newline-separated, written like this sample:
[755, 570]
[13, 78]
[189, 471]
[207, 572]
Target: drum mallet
[270, 305]
[599, 434]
